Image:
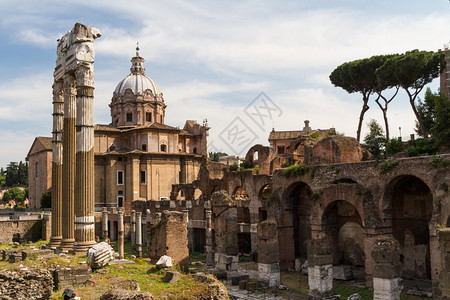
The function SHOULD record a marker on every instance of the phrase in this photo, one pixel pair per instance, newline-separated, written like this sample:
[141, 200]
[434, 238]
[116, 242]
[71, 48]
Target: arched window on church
[36, 169]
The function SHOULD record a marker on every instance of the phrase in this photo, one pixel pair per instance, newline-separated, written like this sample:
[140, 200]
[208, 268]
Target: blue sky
[211, 59]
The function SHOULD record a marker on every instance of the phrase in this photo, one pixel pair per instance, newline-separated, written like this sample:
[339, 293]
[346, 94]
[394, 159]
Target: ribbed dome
[137, 81]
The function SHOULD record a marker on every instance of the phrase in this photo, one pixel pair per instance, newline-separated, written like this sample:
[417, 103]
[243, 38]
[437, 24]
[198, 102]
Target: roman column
[139, 234]
[68, 170]
[105, 223]
[57, 140]
[120, 235]
[84, 187]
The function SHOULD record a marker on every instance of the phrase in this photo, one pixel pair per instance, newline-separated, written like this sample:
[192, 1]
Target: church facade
[138, 156]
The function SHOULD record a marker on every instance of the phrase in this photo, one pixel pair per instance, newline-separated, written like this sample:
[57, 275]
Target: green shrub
[393, 146]
[294, 171]
[388, 165]
[246, 165]
[46, 200]
[14, 194]
[421, 146]
[439, 162]
[233, 167]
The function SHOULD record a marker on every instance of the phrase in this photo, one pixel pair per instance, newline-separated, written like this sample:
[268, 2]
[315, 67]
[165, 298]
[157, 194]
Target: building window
[120, 192]
[148, 117]
[119, 201]
[36, 169]
[163, 148]
[129, 117]
[280, 150]
[119, 177]
[144, 147]
[143, 176]
[195, 150]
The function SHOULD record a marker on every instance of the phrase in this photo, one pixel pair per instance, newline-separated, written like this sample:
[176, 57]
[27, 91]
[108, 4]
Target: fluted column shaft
[84, 186]
[57, 161]
[139, 234]
[68, 170]
[120, 235]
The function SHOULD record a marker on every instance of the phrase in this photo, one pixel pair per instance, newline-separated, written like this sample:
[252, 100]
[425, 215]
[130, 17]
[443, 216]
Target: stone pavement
[235, 293]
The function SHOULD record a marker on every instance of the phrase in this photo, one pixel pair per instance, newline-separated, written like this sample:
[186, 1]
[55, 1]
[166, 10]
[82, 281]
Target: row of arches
[343, 212]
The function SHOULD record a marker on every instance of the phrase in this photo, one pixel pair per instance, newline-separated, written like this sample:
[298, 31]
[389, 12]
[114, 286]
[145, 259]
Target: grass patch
[197, 256]
[295, 281]
[149, 278]
[346, 288]
[388, 165]
[438, 161]
[294, 171]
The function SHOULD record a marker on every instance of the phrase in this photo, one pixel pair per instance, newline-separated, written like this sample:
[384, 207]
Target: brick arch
[345, 192]
[386, 200]
[263, 152]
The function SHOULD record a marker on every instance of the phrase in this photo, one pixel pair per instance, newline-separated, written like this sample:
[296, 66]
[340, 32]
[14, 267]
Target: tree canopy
[357, 76]
[16, 174]
[412, 71]
[215, 155]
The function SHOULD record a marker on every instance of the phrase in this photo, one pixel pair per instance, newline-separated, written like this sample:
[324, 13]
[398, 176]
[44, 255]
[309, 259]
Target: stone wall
[15, 230]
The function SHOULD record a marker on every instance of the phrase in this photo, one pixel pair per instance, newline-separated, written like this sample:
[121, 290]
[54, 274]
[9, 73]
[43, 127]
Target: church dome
[137, 81]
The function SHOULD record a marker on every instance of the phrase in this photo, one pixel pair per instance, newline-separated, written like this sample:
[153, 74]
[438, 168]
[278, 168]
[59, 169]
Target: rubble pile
[26, 284]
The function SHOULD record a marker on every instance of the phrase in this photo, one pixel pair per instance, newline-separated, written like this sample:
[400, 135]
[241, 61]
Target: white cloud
[243, 47]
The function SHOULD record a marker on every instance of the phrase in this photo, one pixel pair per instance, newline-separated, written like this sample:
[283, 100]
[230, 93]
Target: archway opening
[240, 194]
[344, 226]
[300, 201]
[264, 193]
[411, 205]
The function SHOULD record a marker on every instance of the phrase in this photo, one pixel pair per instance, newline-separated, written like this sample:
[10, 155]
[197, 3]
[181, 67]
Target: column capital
[58, 92]
[85, 75]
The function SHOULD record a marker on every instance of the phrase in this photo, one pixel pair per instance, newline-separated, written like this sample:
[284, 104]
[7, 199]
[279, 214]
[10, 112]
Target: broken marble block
[100, 255]
[164, 262]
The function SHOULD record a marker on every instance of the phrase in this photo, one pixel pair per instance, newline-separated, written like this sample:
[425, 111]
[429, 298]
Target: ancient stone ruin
[73, 156]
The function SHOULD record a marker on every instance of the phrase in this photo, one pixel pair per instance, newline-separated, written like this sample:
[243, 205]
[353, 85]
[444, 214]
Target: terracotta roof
[185, 132]
[45, 141]
[102, 127]
[284, 135]
[154, 126]
[191, 123]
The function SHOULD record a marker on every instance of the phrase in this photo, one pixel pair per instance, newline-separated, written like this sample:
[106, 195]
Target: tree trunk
[384, 110]
[412, 99]
[361, 118]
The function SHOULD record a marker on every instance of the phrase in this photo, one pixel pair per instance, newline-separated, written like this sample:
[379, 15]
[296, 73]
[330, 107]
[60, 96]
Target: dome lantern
[137, 99]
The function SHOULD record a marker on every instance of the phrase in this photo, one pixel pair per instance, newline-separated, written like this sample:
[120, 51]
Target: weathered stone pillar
[170, 238]
[225, 230]
[320, 269]
[209, 243]
[85, 189]
[105, 223]
[190, 235]
[387, 282]
[57, 161]
[133, 231]
[139, 234]
[68, 171]
[113, 231]
[120, 237]
[268, 253]
[444, 246]
[149, 226]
